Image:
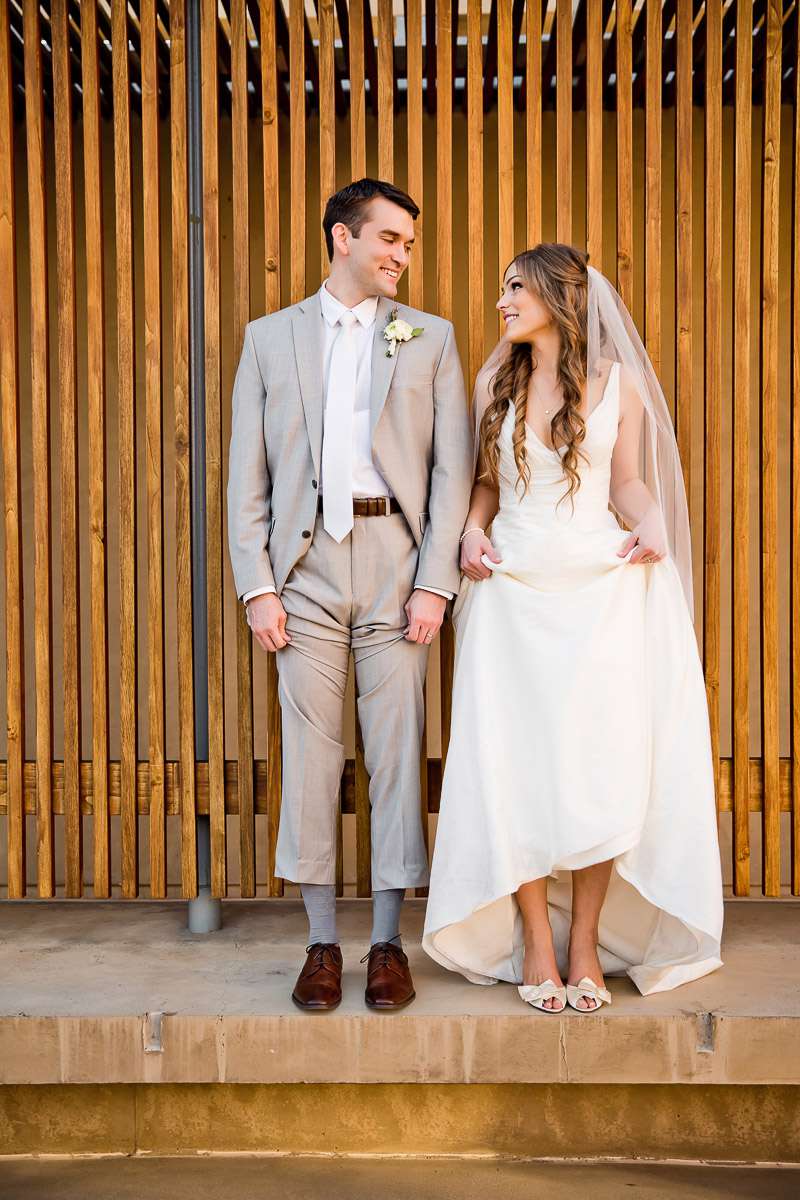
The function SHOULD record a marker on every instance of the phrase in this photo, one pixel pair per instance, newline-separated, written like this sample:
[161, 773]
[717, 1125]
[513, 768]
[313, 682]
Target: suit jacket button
[313, 483]
[306, 533]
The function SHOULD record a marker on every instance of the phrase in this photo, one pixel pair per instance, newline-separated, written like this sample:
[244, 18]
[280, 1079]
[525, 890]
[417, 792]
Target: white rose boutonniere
[398, 331]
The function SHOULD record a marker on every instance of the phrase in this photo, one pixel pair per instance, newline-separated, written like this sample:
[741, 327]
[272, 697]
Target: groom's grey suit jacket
[421, 442]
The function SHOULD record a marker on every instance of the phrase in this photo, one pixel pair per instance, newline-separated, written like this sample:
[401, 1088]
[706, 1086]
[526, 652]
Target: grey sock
[320, 902]
[386, 915]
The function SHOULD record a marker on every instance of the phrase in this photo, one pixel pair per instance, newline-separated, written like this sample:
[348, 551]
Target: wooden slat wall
[349, 41]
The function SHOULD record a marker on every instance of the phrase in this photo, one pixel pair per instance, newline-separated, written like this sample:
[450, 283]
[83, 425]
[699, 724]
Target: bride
[577, 830]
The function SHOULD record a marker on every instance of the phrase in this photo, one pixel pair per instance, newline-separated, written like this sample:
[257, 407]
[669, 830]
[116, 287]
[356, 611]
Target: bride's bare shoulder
[602, 368]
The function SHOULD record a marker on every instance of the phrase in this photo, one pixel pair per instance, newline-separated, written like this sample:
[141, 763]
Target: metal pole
[205, 913]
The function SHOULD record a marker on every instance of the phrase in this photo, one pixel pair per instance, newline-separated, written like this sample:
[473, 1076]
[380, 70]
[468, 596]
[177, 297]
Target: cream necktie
[337, 439]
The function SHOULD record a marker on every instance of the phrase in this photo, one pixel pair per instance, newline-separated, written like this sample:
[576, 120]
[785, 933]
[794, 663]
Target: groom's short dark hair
[350, 206]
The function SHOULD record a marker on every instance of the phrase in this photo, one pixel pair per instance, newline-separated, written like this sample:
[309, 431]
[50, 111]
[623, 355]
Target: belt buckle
[386, 506]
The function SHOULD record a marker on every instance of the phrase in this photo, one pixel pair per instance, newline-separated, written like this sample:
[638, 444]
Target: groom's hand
[425, 612]
[266, 616]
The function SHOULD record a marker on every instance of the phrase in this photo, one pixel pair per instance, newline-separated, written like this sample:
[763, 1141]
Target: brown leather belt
[371, 506]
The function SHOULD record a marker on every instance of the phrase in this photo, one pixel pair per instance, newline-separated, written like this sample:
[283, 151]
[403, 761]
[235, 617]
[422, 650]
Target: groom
[350, 474]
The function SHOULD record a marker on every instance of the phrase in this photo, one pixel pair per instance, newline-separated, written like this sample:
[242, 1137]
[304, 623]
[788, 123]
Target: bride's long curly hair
[557, 274]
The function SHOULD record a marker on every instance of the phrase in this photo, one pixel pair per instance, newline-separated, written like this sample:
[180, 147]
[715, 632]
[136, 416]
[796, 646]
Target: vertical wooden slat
[358, 167]
[564, 120]
[533, 120]
[624, 155]
[95, 331]
[415, 268]
[241, 315]
[652, 199]
[769, 448]
[505, 134]
[154, 456]
[713, 368]
[358, 132]
[211, 271]
[12, 497]
[327, 118]
[68, 399]
[272, 292]
[683, 238]
[385, 90]
[594, 132]
[40, 420]
[740, 539]
[444, 266]
[415, 172]
[183, 495]
[269, 116]
[444, 158]
[297, 151]
[475, 235]
[794, 689]
[128, 681]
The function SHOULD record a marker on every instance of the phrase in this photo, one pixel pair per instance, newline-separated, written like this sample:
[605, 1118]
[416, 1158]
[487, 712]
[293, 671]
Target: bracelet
[472, 529]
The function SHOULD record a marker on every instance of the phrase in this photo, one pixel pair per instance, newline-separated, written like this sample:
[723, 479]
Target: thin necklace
[547, 411]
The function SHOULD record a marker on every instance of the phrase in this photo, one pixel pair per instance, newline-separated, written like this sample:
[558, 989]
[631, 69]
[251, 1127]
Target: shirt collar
[332, 308]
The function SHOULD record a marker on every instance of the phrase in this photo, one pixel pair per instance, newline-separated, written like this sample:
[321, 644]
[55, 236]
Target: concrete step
[123, 993]
[122, 1032]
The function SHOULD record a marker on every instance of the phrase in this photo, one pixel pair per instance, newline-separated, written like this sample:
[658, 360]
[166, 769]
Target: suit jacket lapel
[382, 366]
[307, 337]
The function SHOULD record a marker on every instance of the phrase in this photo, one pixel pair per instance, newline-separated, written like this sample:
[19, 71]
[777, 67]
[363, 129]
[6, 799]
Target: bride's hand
[649, 539]
[473, 547]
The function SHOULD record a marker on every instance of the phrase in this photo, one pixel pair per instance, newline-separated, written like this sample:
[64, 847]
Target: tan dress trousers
[342, 597]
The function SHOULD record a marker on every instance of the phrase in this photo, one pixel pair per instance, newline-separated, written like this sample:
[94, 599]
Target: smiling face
[523, 312]
[378, 256]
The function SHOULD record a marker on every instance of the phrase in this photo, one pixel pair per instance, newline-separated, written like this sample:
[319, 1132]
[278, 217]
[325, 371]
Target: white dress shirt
[367, 480]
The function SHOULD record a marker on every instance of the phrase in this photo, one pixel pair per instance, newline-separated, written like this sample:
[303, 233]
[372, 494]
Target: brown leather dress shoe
[389, 982]
[319, 984]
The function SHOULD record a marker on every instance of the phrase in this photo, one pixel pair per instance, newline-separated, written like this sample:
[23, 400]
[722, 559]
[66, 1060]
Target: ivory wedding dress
[579, 734]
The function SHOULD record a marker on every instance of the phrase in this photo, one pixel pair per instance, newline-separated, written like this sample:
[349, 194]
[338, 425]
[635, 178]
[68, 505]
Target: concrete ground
[353, 1179]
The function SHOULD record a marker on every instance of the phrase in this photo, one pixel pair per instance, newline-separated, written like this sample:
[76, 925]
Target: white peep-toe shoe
[536, 994]
[586, 989]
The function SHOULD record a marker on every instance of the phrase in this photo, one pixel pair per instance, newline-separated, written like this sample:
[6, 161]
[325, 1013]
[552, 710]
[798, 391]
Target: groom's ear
[339, 234]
